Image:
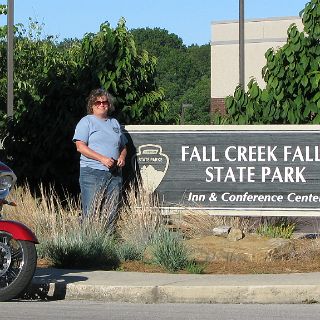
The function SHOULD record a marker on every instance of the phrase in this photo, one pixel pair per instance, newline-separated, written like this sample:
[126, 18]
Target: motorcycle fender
[18, 230]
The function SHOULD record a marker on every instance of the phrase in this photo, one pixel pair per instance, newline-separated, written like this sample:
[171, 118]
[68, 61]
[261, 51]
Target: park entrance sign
[243, 170]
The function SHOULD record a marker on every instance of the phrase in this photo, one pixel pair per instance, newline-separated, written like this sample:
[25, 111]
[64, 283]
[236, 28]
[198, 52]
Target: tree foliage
[111, 57]
[52, 81]
[292, 76]
[179, 71]
[199, 111]
[157, 41]
[51, 85]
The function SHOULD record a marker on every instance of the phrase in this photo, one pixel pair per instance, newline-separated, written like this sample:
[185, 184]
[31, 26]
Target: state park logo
[152, 164]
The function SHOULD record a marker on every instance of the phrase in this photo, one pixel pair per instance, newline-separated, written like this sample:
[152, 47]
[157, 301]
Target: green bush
[291, 74]
[169, 251]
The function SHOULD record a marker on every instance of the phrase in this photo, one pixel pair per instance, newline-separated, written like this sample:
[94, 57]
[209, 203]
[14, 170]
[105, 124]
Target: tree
[179, 68]
[292, 76]
[199, 95]
[51, 85]
[156, 41]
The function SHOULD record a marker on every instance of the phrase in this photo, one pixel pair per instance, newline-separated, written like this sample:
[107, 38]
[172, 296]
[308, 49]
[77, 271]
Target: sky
[189, 19]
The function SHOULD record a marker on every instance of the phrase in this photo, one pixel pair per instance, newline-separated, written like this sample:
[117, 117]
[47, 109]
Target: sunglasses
[98, 103]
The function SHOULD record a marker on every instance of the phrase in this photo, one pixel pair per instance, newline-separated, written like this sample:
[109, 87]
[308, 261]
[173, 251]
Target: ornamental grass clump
[140, 216]
[64, 238]
[281, 227]
[84, 247]
[81, 242]
[127, 251]
[169, 251]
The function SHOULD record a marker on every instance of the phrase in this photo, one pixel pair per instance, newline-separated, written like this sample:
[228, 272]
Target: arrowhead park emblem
[152, 164]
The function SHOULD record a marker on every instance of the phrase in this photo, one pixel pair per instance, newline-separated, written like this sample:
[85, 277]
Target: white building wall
[260, 35]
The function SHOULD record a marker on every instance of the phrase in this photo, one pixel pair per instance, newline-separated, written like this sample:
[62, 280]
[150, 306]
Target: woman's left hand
[121, 162]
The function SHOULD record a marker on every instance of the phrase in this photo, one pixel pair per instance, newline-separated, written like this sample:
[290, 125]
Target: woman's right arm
[89, 153]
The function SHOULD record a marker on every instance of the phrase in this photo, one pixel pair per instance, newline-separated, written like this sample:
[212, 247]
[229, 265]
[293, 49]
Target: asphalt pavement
[139, 287]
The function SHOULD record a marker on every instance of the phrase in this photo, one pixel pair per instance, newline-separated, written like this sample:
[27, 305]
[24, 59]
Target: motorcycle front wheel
[18, 261]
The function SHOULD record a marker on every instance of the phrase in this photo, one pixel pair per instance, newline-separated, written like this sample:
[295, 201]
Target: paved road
[94, 310]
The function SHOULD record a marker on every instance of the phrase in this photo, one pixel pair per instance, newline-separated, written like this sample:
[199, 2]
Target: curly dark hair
[97, 93]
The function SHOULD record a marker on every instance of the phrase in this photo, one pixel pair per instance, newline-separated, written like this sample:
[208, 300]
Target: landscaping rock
[222, 231]
[235, 234]
[280, 248]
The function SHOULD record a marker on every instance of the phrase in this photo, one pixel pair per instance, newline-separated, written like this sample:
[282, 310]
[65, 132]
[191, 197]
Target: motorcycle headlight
[6, 182]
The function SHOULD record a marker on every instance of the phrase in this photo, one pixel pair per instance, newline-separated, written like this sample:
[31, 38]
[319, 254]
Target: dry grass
[49, 216]
[200, 224]
[65, 240]
[140, 216]
[46, 214]
[305, 249]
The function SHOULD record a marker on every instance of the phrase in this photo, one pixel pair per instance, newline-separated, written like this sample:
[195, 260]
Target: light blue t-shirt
[102, 136]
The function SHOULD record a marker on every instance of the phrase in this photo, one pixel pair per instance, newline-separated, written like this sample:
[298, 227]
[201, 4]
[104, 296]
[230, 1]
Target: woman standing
[102, 146]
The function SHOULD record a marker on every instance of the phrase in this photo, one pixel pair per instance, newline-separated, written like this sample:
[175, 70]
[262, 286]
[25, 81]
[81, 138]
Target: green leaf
[315, 80]
[316, 97]
[304, 81]
[229, 102]
[290, 58]
[298, 101]
[238, 94]
[316, 120]
[306, 111]
[254, 91]
[266, 111]
[291, 116]
[250, 109]
[242, 120]
[280, 96]
[274, 84]
[264, 96]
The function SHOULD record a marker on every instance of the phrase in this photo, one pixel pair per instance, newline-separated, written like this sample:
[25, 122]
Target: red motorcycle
[18, 255]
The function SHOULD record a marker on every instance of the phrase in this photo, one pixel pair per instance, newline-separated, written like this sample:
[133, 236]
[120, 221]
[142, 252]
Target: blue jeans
[100, 191]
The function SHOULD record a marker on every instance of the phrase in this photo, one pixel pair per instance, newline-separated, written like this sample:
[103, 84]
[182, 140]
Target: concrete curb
[219, 294]
[139, 287]
[264, 294]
